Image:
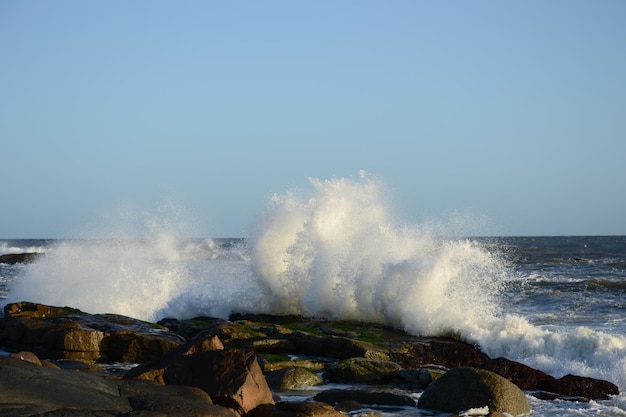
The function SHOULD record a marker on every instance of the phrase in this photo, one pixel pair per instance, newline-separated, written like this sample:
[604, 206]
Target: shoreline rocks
[19, 258]
[226, 367]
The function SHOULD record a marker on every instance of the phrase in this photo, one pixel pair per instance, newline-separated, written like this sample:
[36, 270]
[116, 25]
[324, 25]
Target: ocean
[555, 303]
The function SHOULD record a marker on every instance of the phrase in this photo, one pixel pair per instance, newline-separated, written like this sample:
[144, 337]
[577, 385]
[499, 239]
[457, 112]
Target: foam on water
[335, 250]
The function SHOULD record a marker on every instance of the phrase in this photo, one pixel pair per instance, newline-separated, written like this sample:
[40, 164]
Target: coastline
[364, 356]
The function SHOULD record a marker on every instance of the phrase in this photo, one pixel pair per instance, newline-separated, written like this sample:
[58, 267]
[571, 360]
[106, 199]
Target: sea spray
[129, 277]
[333, 249]
[337, 251]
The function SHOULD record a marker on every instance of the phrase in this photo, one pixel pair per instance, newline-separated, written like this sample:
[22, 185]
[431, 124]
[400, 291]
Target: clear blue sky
[511, 110]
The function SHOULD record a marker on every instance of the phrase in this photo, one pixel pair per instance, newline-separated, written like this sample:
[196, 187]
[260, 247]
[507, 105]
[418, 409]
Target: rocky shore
[65, 362]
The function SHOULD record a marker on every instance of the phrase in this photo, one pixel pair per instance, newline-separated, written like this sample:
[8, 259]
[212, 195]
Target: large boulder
[291, 378]
[295, 409]
[589, 388]
[378, 397]
[16, 258]
[362, 371]
[154, 370]
[569, 387]
[231, 377]
[27, 389]
[65, 333]
[465, 388]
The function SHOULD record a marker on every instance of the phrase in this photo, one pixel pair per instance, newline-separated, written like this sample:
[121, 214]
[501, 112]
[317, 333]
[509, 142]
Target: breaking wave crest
[333, 249]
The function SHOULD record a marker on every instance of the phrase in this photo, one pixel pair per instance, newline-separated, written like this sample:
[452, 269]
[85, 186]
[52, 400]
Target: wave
[333, 249]
[23, 246]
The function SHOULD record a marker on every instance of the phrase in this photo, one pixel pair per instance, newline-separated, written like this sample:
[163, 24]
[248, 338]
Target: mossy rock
[362, 371]
[292, 378]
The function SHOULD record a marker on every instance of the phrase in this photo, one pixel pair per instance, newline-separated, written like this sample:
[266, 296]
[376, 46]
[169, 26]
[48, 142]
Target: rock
[15, 258]
[525, 377]
[154, 370]
[232, 377]
[465, 388]
[578, 386]
[569, 387]
[295, 409]
[415, 379]
[30, 310]
[361, 371]
[24, 385]
[26, 356]
[27, 390]
[64, 333]
[444, 351]
[293, 377]
[176, 401]
[336, 396]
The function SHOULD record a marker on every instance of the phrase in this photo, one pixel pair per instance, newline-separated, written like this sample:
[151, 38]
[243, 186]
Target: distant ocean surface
[555, 303]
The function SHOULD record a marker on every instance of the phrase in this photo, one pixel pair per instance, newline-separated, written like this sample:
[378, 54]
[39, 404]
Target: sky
[511, 111]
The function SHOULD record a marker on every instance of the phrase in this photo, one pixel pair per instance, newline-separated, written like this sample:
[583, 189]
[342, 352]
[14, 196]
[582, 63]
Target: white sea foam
[333, 249]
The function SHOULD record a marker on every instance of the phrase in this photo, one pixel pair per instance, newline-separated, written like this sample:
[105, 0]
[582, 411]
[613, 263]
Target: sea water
[336, 250]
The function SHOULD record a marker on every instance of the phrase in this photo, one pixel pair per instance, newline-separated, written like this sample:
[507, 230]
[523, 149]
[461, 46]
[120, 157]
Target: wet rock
[465, 388]
[569, 387]
[336, 396]
[16, 258]
[523, 376]
[578, 386]
[293, 377]
[415, 379]
[444, 351]
[296, 409]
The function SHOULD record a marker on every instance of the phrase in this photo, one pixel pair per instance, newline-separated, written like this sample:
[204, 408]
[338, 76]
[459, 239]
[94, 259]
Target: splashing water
[334, 250]
[338, 253]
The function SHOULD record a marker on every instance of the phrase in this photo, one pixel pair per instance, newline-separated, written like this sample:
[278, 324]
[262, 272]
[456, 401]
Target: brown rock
[292, 377]
[153, 371]
[64, 333]
[443, 351]
[295, 409]
[569, 387]
[26, 356]
[27, 309]
[362, 371]
[27, 390]
[523, 376]
[336, 396]
[15, 258]
[578, 386]
[232, 378]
